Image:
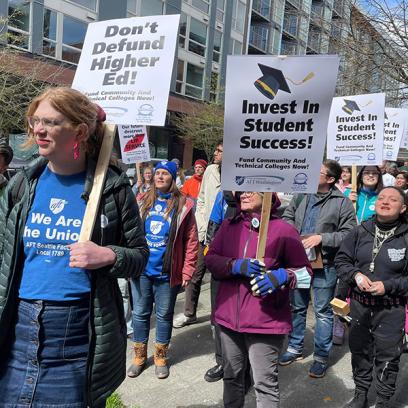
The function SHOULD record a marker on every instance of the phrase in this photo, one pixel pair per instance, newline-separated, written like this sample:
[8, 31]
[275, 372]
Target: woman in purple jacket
[252, 306]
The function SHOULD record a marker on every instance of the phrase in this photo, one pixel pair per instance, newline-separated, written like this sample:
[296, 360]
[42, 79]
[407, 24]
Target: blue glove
[268, 282]
[247, 267]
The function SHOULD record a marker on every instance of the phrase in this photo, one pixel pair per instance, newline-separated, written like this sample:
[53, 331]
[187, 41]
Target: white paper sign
[126, 67]
[276, 112]
[134, 144]
[394, 126]
[404, 141]
[355, 134]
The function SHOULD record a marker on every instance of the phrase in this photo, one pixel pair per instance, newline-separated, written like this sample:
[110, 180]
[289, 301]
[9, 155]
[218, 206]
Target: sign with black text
[394, 126]
[126, 67]
[275, 121]
[134, 144]
[355, 134]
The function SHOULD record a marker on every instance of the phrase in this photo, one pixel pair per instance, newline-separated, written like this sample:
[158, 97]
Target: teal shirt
[365, 207]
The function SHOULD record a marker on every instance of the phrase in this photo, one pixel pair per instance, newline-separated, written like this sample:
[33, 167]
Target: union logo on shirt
[57, 205]
[155, 227]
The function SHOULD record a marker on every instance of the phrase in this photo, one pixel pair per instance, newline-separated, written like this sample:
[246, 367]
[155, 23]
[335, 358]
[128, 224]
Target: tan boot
[160, 360]
[139, 360]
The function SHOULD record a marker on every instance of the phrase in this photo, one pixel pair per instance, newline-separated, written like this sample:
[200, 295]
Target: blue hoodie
[365, 208]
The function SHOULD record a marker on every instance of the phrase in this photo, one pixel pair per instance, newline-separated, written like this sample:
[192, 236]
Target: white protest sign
[126, 67]
[394, 126]
[355, 133]
[276, 112]
[404, 141]
[134, 143]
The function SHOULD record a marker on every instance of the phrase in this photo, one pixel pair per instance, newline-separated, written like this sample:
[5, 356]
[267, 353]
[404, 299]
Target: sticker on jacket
[396, 254]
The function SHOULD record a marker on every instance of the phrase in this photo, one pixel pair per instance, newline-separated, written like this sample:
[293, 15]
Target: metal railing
[263, 7]
[258, 37]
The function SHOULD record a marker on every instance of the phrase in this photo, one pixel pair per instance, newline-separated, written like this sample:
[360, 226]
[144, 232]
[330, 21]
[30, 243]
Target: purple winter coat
[236, 308]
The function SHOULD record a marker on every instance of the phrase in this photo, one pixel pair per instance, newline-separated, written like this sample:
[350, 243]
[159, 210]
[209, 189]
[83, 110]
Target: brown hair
[77, 108]
[152, 195]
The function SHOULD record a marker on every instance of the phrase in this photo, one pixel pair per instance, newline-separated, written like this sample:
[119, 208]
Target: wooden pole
[354, 182]
[138, 173]
[263, 228]
[92, 206]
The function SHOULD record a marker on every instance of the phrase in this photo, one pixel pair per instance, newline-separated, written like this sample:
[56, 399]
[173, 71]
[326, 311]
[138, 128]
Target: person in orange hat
[191, 187]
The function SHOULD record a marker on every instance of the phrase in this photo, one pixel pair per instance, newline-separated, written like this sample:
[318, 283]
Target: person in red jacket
[191, 187]
[171, 235]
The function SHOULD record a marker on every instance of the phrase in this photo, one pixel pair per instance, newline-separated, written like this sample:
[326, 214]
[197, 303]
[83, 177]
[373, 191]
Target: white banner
[126, 67]
[404, 141]
[134, 144]
[355, 134]
[275, 121]
[394, 126]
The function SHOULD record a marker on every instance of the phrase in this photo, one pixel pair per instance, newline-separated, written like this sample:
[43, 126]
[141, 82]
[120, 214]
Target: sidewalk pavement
[191, 354]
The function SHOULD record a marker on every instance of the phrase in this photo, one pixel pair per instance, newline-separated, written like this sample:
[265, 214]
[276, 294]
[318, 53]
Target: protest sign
[126, 66]
[134, 144]
[275, 121]
[404, 141]
[394, 126]
[355, 133]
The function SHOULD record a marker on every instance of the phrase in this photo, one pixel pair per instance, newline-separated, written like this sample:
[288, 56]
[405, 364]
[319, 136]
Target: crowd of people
[64, 323]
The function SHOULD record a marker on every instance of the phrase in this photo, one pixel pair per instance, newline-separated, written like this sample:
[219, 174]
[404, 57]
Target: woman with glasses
[344, 183]
[62, 329]
[369, 183]
[372, 260]
[252, 306]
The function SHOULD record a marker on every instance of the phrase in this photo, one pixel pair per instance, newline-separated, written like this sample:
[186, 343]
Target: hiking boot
[318, 369]
[160, 360]
[288, 358]
[359, 400]
[214, 374]
[139, 360]
[182, 320]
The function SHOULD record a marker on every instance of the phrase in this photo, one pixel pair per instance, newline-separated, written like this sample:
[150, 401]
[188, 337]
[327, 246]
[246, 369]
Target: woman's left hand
[185, 283]
[89, 255]
[377, 288]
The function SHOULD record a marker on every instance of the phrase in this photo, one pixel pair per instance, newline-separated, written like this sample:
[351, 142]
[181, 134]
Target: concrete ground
[191, 354]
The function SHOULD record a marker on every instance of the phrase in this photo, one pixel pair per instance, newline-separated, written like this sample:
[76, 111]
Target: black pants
[375, 339]
[193, 289]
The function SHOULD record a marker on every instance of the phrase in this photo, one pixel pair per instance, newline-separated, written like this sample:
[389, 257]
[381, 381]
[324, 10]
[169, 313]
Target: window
[90, 4]
[180, 76]
[19, 24]
[237, 48]
[50, 33]
[131, 7]
[198, 37]
[151, 8]
[217, 46]
[220, 10]
[182, 31]
[194, 81]
[202, 5]
[72, 39]
[238, 16]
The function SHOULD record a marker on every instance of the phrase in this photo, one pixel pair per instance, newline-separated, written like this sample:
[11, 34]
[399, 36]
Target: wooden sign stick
[138, 173]
[354, 182]
[98, 183]
[263, 228]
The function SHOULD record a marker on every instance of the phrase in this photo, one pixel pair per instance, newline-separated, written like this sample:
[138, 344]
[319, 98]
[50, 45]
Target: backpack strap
[17, 190]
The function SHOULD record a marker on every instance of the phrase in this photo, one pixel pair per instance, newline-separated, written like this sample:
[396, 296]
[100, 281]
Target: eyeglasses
[217, 150]
[370, 173]
[47, 124]
[250, 194]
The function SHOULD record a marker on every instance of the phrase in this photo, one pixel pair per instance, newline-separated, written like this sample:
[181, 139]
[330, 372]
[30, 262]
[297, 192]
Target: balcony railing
[290, 25]
[262, 7]
[288, 49]
[258, 37]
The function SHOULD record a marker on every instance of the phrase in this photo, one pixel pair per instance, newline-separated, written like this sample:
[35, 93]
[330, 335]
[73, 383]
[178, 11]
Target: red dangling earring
[75, 151]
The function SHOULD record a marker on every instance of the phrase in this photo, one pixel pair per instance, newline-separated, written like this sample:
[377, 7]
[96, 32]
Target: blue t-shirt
[157, 229]
[53, 222]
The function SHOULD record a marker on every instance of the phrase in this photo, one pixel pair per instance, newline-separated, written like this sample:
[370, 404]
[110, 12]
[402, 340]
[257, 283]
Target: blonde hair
[78, 110]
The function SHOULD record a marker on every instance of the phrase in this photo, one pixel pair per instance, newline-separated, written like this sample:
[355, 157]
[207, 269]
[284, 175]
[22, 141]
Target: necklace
[380, 237]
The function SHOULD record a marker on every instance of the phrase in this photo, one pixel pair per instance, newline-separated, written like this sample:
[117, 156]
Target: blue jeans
[46, 365]
[145, 292]
[323, 286]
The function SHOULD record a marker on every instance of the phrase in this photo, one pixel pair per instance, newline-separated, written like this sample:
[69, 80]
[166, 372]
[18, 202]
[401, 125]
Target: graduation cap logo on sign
[350, 106]
[273, 80]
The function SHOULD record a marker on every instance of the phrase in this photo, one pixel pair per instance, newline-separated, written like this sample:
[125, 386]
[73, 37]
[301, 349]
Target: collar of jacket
[369, 226]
